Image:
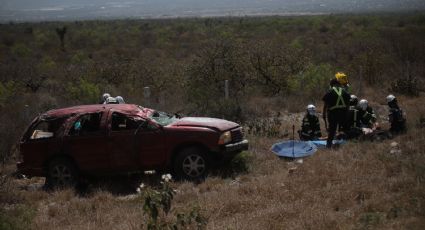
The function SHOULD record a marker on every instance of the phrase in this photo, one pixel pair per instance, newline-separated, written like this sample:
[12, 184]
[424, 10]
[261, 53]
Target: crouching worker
[353, 127]
[396, 116]
[367, 115]
[310, 128]
[105, 96]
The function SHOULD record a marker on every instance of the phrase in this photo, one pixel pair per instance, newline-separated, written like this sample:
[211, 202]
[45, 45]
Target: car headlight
[225, 137]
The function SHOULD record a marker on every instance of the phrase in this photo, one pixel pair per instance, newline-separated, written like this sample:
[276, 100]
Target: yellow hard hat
[341, 78]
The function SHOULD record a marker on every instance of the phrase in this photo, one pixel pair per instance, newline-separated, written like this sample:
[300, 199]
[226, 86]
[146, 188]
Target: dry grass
[358, 186]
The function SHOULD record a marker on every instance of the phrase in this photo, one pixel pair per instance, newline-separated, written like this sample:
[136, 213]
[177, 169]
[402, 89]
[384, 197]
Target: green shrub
[7, 90]
[241, 163]
[405, 86]
[157, 206]
[16, 218]
[370, 220]
[21, 50]
[314, 80]
[84, 92]
[46, 65]
[79, 58]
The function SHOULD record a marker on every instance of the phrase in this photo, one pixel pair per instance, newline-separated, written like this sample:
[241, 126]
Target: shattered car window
[163, 118]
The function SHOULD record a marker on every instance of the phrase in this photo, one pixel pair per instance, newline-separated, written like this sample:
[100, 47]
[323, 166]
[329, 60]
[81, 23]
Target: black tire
[61, 173]
[192, 164]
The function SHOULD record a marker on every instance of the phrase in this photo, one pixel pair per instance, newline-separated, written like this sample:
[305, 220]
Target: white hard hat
[390, 98]
[120, 99]
[105, 96]
[353, 97]
[363, 104]
[311, 109]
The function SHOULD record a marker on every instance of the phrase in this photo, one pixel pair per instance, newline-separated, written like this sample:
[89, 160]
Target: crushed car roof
[122, 108]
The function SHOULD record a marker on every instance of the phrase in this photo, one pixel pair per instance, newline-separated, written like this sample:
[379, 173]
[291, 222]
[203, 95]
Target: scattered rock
[236, 181]
[128, 197]
[34, 187]
[394, 144]
[292, 169]
[395, 148]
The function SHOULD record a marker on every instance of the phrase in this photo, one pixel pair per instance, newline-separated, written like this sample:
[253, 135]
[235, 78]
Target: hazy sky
[40, 10]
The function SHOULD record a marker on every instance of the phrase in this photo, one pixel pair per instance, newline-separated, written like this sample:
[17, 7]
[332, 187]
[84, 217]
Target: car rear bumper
[236, 147]
[29, 171]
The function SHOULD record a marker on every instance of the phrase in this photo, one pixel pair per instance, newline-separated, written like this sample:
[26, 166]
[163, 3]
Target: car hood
[213, 123]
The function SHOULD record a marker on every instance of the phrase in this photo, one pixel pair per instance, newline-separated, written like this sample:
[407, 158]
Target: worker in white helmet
[104, 97]
[310, 128]
[396, 116]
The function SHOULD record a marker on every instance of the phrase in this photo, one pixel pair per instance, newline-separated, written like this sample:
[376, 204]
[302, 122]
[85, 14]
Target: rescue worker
[335, 109]
[111, 100]
[310, 128]
[353, 125]
[354, 101]
[120, 100]
[396, 116]
[367, 115]
[104, 97]
[343, 81]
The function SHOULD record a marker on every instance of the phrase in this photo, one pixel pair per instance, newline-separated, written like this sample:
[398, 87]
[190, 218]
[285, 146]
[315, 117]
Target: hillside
[49, 10]
[275, 67]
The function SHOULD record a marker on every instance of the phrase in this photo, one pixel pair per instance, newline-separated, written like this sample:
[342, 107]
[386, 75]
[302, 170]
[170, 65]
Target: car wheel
[192, 164]
[61, 173]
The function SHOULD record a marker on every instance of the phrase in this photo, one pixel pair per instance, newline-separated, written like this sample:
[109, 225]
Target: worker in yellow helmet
[342, 79]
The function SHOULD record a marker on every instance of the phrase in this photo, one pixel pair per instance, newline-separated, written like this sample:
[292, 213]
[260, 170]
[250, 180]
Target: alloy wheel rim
[62, 175]
[194, 165]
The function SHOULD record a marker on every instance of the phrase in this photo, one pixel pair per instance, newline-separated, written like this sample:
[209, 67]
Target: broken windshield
[163, 118]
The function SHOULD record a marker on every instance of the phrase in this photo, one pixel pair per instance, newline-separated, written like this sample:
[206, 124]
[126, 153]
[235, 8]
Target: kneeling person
[367, 115]
[396, 116]
[353, 126]
[310, 128]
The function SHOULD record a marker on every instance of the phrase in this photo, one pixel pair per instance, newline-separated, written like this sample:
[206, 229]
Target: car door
[121, 141]
[86, 142]
[151, 145]
[40, 141]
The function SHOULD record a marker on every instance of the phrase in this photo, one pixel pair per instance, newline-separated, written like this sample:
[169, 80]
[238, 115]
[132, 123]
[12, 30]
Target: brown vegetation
[274, 65]
[360, 185]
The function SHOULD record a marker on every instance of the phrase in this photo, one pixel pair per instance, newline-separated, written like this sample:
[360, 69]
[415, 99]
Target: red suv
[64, 144]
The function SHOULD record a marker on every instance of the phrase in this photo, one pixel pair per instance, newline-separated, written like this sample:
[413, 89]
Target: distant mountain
[41, 10]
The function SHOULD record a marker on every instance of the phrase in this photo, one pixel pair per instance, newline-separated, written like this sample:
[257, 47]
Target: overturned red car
[65, 144]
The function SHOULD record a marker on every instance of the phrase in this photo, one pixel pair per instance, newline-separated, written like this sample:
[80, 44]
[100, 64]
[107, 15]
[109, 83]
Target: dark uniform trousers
[336, 118]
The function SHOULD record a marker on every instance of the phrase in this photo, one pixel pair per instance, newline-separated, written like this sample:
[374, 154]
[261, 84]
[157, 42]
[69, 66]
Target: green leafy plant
[157, 206]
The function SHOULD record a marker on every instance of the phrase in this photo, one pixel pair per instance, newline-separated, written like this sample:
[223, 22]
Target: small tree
[61, 33]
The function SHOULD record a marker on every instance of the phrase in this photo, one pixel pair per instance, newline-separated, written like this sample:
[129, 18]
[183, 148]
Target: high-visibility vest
[340, 103]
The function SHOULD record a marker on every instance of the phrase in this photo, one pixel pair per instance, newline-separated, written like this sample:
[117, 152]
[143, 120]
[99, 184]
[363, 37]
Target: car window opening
[46, 129]
[122, 122]
[86, 124]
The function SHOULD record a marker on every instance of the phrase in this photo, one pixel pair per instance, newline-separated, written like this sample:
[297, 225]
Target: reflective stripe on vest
[355, 117]
[340, 103]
